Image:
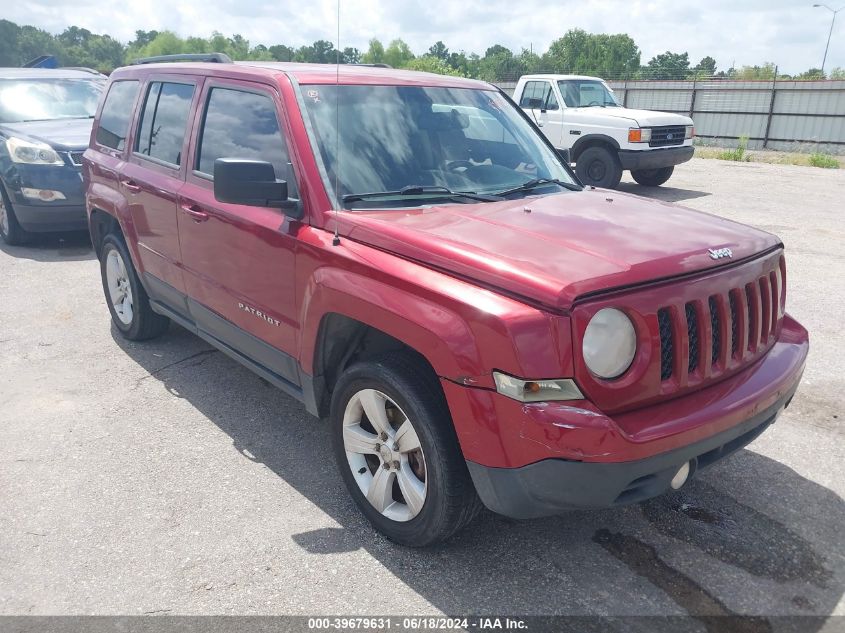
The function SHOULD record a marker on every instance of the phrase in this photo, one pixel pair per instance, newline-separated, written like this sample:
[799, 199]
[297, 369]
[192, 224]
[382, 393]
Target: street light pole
[832, 22]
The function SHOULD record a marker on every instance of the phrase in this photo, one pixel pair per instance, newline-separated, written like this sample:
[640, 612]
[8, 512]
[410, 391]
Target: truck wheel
[127, 300]
[598, 167]
[398, 453]
[10, 230]
[652, 177]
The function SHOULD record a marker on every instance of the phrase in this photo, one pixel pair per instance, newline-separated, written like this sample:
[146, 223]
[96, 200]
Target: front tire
[599, 167]
[128, 302]
[10, 229]
[398, 453]
[652, 177]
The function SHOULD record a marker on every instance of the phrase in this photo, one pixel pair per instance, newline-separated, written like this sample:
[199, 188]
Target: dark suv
[407, 255]
[45, 124]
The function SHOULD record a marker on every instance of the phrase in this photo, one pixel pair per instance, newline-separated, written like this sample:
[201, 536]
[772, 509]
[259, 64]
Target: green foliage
[580, 52]
[766, 71]
[439, 50]
[398, 54]
[738, 154]
[837, 73]
[375, 53]
[432, 64]
[812, 73]
[667, 65]
[825, 161]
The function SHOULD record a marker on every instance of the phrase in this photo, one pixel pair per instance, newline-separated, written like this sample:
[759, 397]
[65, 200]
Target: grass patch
[825, 161]
[737, 154]
[772, 157]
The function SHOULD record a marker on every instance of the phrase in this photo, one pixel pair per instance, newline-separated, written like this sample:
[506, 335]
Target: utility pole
[832, 22]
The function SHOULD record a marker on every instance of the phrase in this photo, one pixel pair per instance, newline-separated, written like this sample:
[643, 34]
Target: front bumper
[51, 217]
[553, 486]
[537, 459]
[655, 158]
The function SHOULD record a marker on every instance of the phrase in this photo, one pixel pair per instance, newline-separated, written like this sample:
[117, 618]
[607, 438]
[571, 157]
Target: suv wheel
[652, 177]
[599, 167]
[127, 300]
[10, 230]
[398, 453]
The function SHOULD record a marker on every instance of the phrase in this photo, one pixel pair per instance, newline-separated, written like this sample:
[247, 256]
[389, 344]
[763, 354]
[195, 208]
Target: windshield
[48, 99]
[408, 138]
[583, 93]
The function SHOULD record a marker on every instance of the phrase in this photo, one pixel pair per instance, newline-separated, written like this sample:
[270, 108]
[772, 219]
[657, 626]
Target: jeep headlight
[609, 344]
[32, 152]
[536, 390]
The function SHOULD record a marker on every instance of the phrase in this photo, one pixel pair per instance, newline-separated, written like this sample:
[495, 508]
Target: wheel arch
[593, 140]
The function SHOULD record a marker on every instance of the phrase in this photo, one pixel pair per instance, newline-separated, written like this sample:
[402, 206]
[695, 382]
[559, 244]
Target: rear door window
[241, 124]
[117, 111]
[164, 120]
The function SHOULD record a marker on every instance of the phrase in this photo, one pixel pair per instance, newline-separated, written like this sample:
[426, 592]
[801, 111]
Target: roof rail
[218, 58]
[378, 65]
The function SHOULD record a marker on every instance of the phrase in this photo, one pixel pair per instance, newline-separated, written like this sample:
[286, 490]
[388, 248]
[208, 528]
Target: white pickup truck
[581, 115]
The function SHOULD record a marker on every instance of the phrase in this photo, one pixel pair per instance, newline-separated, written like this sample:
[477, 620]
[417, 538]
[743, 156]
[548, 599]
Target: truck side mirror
[251, 182]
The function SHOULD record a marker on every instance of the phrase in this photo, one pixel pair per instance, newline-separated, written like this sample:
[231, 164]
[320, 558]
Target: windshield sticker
[315, 95]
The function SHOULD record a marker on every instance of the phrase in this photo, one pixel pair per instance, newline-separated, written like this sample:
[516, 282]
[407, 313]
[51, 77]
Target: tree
[766, 71]
[432, 64]
[706, 67]
[374, 54]
[837, 73]
[609, 56]
[350, 55]
[439, 50]
[667, 65]
[499, 64]
[398, 54]
[281, 53]
[812, 73]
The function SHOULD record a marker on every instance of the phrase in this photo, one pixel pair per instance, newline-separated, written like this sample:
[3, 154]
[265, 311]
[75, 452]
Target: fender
[581, 144]
[440, 335]
[104, 198]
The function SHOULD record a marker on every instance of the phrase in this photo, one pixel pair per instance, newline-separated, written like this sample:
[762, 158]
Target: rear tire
[128, 302]
[10, 229]
[404, 468]
[599, 167]
[652, 177]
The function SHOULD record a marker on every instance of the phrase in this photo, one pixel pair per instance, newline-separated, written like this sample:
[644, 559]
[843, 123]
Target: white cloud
[787, 33]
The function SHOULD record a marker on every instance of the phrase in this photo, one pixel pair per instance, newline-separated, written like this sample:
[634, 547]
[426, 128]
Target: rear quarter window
[162, 129]
[116, 114]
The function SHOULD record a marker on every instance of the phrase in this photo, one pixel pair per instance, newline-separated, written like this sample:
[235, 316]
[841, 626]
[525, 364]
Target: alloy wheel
[120, 290]
[385, 455]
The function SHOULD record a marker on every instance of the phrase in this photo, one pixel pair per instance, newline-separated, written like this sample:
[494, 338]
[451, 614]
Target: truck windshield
[585, 93]
[48, 99]
[428, 143]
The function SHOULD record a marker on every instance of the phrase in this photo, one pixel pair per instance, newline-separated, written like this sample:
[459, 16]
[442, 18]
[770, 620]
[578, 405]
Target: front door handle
[197, 215]
[131, 186]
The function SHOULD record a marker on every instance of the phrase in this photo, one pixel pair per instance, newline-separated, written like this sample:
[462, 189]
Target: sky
[790, 33]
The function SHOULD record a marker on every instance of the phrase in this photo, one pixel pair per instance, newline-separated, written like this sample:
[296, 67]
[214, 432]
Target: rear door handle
[131, 186]
[197, 215]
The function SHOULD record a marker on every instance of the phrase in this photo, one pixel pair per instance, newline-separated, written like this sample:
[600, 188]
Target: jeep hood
[61, 134]
[640, 118]
[553, 249]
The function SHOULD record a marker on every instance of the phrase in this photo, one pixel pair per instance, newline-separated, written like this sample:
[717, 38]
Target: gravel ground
[165, 478]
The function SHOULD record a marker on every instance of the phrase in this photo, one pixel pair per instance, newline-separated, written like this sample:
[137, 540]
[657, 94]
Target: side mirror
[534, 103]
[251, 182]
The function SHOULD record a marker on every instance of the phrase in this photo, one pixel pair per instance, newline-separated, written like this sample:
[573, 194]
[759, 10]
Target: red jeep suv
[408, 256]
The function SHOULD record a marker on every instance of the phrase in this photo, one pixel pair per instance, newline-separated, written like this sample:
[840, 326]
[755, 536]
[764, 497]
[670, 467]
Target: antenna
[336, 240]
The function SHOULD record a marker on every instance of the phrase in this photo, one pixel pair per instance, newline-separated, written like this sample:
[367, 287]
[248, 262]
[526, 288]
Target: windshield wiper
[539, 182]
[415, 190]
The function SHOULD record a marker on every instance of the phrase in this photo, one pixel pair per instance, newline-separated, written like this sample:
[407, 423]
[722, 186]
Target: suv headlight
[32, 152]
[610, 343]
[536, 390]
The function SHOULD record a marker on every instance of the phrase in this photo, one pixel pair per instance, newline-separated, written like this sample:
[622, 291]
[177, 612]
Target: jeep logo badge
[719, 253]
